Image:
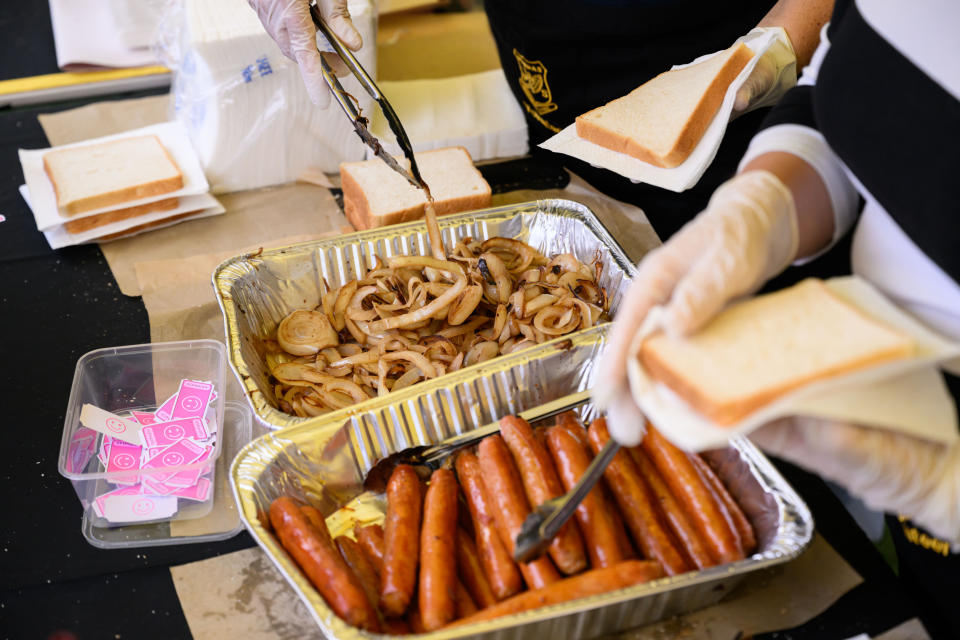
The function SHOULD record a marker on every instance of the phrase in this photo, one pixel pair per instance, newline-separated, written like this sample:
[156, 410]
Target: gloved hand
[774, 74]
[289, 23]
[758, 83]
[888, 471]
[746, 235]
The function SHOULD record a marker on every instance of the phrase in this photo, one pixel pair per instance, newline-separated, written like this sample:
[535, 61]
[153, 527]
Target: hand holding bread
[746, 235]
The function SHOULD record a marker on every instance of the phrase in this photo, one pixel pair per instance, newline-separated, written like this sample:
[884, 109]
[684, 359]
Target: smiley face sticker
[124, 461]
[190, 403]
[173, 458]
[143, 506]
[174, 432]
[116, 425]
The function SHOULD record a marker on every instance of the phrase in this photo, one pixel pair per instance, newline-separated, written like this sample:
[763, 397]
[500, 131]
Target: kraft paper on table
[242, 594]
[253, 218]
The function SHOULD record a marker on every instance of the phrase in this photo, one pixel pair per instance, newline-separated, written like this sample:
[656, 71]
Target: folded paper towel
[244, 103]
[476, 111]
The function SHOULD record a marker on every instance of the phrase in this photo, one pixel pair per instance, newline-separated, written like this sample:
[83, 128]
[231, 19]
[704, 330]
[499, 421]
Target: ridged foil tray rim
[795, 525]
[222, 282]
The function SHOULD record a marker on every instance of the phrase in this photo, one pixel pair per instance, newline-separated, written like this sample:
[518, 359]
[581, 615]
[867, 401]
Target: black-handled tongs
[347, 102]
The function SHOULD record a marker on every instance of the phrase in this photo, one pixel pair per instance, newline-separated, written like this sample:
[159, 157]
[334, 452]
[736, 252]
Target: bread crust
[147, 225]
[690, 134]
[118, 196]
[727, 413]
[81, 225]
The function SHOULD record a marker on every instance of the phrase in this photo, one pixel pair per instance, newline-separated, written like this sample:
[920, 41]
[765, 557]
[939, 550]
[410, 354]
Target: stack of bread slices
[115, 187]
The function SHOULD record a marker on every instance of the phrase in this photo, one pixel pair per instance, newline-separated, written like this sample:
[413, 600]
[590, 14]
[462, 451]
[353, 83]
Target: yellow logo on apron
[533, 82]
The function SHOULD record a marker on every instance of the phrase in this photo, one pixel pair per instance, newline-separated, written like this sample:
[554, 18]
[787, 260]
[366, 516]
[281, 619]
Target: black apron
[563, 59]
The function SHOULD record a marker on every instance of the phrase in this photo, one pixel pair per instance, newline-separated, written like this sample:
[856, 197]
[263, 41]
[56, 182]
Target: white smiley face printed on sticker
[124, 461]
[143, 506]
[190, 403]
[174, 432]
[173, 458]
[116, 425]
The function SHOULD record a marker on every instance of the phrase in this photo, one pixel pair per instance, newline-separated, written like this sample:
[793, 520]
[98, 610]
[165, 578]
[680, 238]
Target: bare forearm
[802, 20]
[815, 220]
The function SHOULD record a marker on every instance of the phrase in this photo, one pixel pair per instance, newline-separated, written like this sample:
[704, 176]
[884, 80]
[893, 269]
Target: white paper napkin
[687, 174]
[475, 111]
[907, 396]
[173, 135]
[204, 205]
[85, 32]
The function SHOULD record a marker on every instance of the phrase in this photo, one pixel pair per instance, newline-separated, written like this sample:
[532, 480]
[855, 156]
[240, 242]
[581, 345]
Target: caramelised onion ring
[495, 272]
[304, 333]
[556, 320]
[523, 253]
[294, 373]
[540, 302]
[465, 304]
[481, 351]
[424, 312]
[416, 359]
[352, 389]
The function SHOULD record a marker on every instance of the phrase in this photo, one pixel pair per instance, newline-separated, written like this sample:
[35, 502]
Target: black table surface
[57, 305]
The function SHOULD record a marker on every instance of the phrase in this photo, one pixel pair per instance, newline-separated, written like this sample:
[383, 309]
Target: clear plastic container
[122, 380]
[222, 522]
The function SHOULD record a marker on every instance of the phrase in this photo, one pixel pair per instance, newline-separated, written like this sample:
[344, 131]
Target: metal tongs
[349, 105]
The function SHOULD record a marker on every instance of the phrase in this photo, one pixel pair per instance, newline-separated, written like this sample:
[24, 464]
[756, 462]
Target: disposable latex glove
[746, 235]
[289, 23]
[774, 74]
[888, 471]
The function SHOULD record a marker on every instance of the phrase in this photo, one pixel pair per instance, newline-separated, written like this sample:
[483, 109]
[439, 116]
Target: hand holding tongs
[347, 102]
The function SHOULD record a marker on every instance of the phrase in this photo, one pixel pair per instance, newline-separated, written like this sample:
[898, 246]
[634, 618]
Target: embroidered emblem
[533, 82]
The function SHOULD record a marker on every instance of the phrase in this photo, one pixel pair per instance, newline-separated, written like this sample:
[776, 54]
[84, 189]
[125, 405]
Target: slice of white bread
[661, 121]
[374, 195]
[110, 173]
[81, 225]
[756, 350]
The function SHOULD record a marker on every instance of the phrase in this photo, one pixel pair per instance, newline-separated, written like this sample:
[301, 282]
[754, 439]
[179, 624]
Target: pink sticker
[83, 444]
[154, 485]
[149, 452]
[166, 433]
[165, 410]
[144, 417]
[138, 508]
[180, 453]
[200, 492]
[98, 504]
[189, 478]
[192, 399]
[123, 458]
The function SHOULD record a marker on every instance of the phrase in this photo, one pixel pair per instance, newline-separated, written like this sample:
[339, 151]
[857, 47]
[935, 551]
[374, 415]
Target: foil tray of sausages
[256, 291]
[323, 463]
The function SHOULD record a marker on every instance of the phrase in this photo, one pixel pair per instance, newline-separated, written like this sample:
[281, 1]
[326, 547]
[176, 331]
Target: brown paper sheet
[243, 591]
[241, 595]
[252, 217]
[103, 119]
[779, 598]
[179, 297]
